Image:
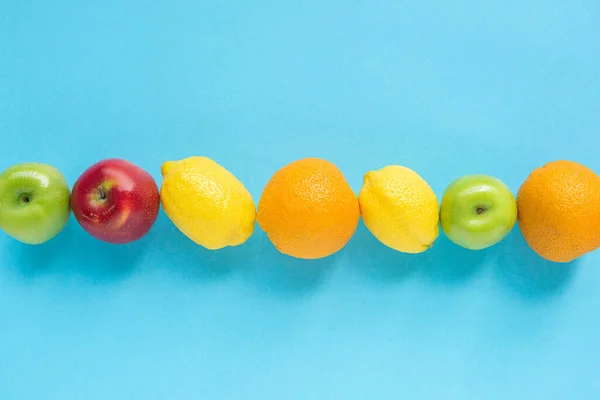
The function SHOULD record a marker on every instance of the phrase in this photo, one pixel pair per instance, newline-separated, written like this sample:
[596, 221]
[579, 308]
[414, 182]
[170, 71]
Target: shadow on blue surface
[527, 274]
[189, 260]
[452, 264]
[76, 253]
[443, 263]
[283, 275]
[82, 255]
[379, 262]
[257, 260]
[514, 263]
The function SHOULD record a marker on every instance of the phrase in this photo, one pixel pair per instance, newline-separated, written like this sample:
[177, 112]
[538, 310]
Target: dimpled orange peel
[559, 210]
[308, 210]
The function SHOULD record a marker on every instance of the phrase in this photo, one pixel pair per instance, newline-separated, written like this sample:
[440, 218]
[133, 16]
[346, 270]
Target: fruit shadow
[275, 273]
[379, 262]
[256, 260]
[75, 253]
[189, 260]
[528, 275]
[452, 264]
[443, 263]
[31, 261]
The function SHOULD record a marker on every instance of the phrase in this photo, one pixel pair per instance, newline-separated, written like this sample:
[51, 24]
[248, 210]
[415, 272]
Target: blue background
[445, 88]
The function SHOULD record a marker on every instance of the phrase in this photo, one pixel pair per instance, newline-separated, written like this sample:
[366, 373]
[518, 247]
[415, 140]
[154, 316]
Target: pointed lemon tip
[167, 167]
[368, 177]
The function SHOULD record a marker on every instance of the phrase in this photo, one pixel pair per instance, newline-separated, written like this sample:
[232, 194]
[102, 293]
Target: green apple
[477, 211]
[34, 202]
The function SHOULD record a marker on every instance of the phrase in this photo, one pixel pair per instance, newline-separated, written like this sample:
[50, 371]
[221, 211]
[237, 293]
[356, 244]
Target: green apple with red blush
[34, 202]
[115, 201]
[477, 211]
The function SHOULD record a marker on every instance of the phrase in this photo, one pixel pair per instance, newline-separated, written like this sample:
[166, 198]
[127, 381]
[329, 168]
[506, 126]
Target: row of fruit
[307, 208]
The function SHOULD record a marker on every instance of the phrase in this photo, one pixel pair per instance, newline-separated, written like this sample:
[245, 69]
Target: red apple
[115, 201]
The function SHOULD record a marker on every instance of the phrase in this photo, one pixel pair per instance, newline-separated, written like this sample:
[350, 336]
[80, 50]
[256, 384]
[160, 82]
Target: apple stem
[101, 194]
[480, 210]
[24, 198]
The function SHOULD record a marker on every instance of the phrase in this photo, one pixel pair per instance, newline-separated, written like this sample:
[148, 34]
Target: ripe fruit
[477, 211]
[308, 210]
[115, 201]
[400, 209]
[34, 202]
[207, 202]
[559, 210]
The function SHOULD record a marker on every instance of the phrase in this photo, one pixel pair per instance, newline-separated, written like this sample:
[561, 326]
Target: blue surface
[446, 88]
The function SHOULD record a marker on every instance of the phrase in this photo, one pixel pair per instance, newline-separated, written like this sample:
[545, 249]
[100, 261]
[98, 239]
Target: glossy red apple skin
[115, 201]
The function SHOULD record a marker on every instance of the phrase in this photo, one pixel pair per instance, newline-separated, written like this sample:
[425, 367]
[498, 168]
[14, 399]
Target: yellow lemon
[207, 202]
[400, 209]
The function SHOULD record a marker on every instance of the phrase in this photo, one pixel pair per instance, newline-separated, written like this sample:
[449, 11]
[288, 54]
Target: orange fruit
[308, 210]
[559, 210]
